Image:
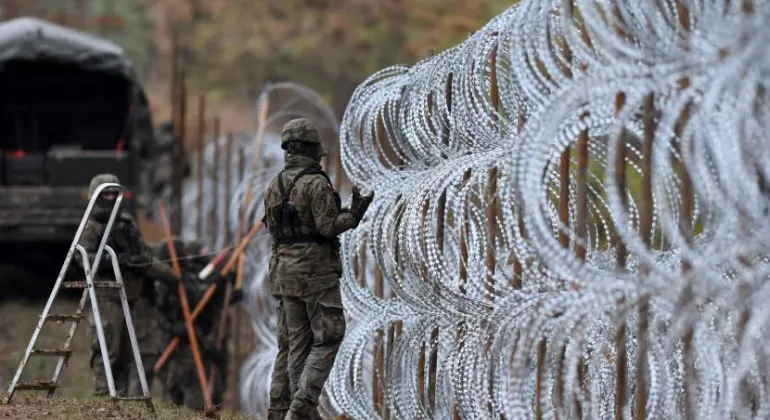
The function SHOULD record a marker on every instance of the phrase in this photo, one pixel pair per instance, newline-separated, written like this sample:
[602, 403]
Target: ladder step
[36, 386]
[62, 318]
[52, 352]
[83, 284]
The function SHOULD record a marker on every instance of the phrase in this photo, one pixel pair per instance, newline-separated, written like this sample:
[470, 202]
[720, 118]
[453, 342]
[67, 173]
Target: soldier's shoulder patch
[322, 179]
[317, 182]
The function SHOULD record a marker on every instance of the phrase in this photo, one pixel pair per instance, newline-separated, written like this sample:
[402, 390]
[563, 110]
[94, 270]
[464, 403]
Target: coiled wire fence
[570, 221]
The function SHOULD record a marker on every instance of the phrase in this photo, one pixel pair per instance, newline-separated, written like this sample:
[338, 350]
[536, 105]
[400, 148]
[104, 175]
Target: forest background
[231, 48]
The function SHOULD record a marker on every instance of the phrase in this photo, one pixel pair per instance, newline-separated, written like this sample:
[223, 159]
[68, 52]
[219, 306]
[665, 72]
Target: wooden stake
[225, 315]
[621, 361]
[214, 213]
[186, 311]
[228, 184]
[172, 346]
[261, 120]
[200, 163]
[379, 397]
[645, 230]
[181, 158]
[174, 117]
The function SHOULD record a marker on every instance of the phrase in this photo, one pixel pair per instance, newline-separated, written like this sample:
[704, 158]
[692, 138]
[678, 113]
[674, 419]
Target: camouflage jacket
[135, 257]
[301, 269]
[206, 324]
[167, 299]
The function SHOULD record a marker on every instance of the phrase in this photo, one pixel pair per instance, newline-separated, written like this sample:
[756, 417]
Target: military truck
[70, 107]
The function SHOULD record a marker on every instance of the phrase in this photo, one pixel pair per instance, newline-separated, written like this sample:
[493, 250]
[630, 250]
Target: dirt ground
[73, 398]
[35, 408]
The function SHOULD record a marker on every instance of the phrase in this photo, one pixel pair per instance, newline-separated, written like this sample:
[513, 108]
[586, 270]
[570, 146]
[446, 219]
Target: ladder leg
[129, 324]
[100, 334]
[68, 343]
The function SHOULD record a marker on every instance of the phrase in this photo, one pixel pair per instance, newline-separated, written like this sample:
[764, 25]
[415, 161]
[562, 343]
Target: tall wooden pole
[181, 155]
[213, 213]
[228, 183]
[200, 163]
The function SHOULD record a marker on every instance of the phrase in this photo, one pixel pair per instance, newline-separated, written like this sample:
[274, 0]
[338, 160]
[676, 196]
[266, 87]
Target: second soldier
[304, 217]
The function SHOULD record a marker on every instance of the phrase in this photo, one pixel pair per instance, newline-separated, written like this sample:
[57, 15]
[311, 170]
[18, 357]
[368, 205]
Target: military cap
[99, 180]
[301, 130]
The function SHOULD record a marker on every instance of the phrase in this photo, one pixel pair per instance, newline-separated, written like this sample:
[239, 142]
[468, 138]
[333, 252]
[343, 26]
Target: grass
[76, 377]
[73, 398]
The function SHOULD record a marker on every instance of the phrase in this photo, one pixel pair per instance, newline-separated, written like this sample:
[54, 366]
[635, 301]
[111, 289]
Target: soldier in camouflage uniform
[135, 260]
[181, 385]
[305, 218]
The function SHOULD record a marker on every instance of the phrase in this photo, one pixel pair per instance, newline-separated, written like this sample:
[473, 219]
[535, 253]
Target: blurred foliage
[232, 47]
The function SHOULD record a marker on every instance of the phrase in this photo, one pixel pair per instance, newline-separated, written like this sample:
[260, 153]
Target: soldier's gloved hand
[220, 280]
[179, 329]
[359, 204]
[218, 357]
[171, 304]
[189, 277]
[209, 342]
[236, 297]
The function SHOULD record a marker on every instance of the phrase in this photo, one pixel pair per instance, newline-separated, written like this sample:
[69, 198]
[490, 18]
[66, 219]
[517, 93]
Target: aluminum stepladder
[90, 292]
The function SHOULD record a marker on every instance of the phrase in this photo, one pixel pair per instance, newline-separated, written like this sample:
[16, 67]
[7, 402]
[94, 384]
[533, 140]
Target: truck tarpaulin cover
[34, 39]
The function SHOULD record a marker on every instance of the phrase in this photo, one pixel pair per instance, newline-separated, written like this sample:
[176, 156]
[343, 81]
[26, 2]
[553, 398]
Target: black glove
[170, 304]
[359, 204]
[236, 297]
[179, 329]
[209, 342]
[189, 277]
[220, 280]
[218, 357]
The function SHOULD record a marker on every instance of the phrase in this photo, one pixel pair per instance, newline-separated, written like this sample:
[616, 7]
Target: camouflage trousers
[151, 339]
[315, 325]
[121, 357]
[280, 388]
[118, 349]
[181, 384]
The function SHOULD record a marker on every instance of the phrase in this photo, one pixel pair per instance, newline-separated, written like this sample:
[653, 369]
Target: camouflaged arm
[330, 219]
[160, 271]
